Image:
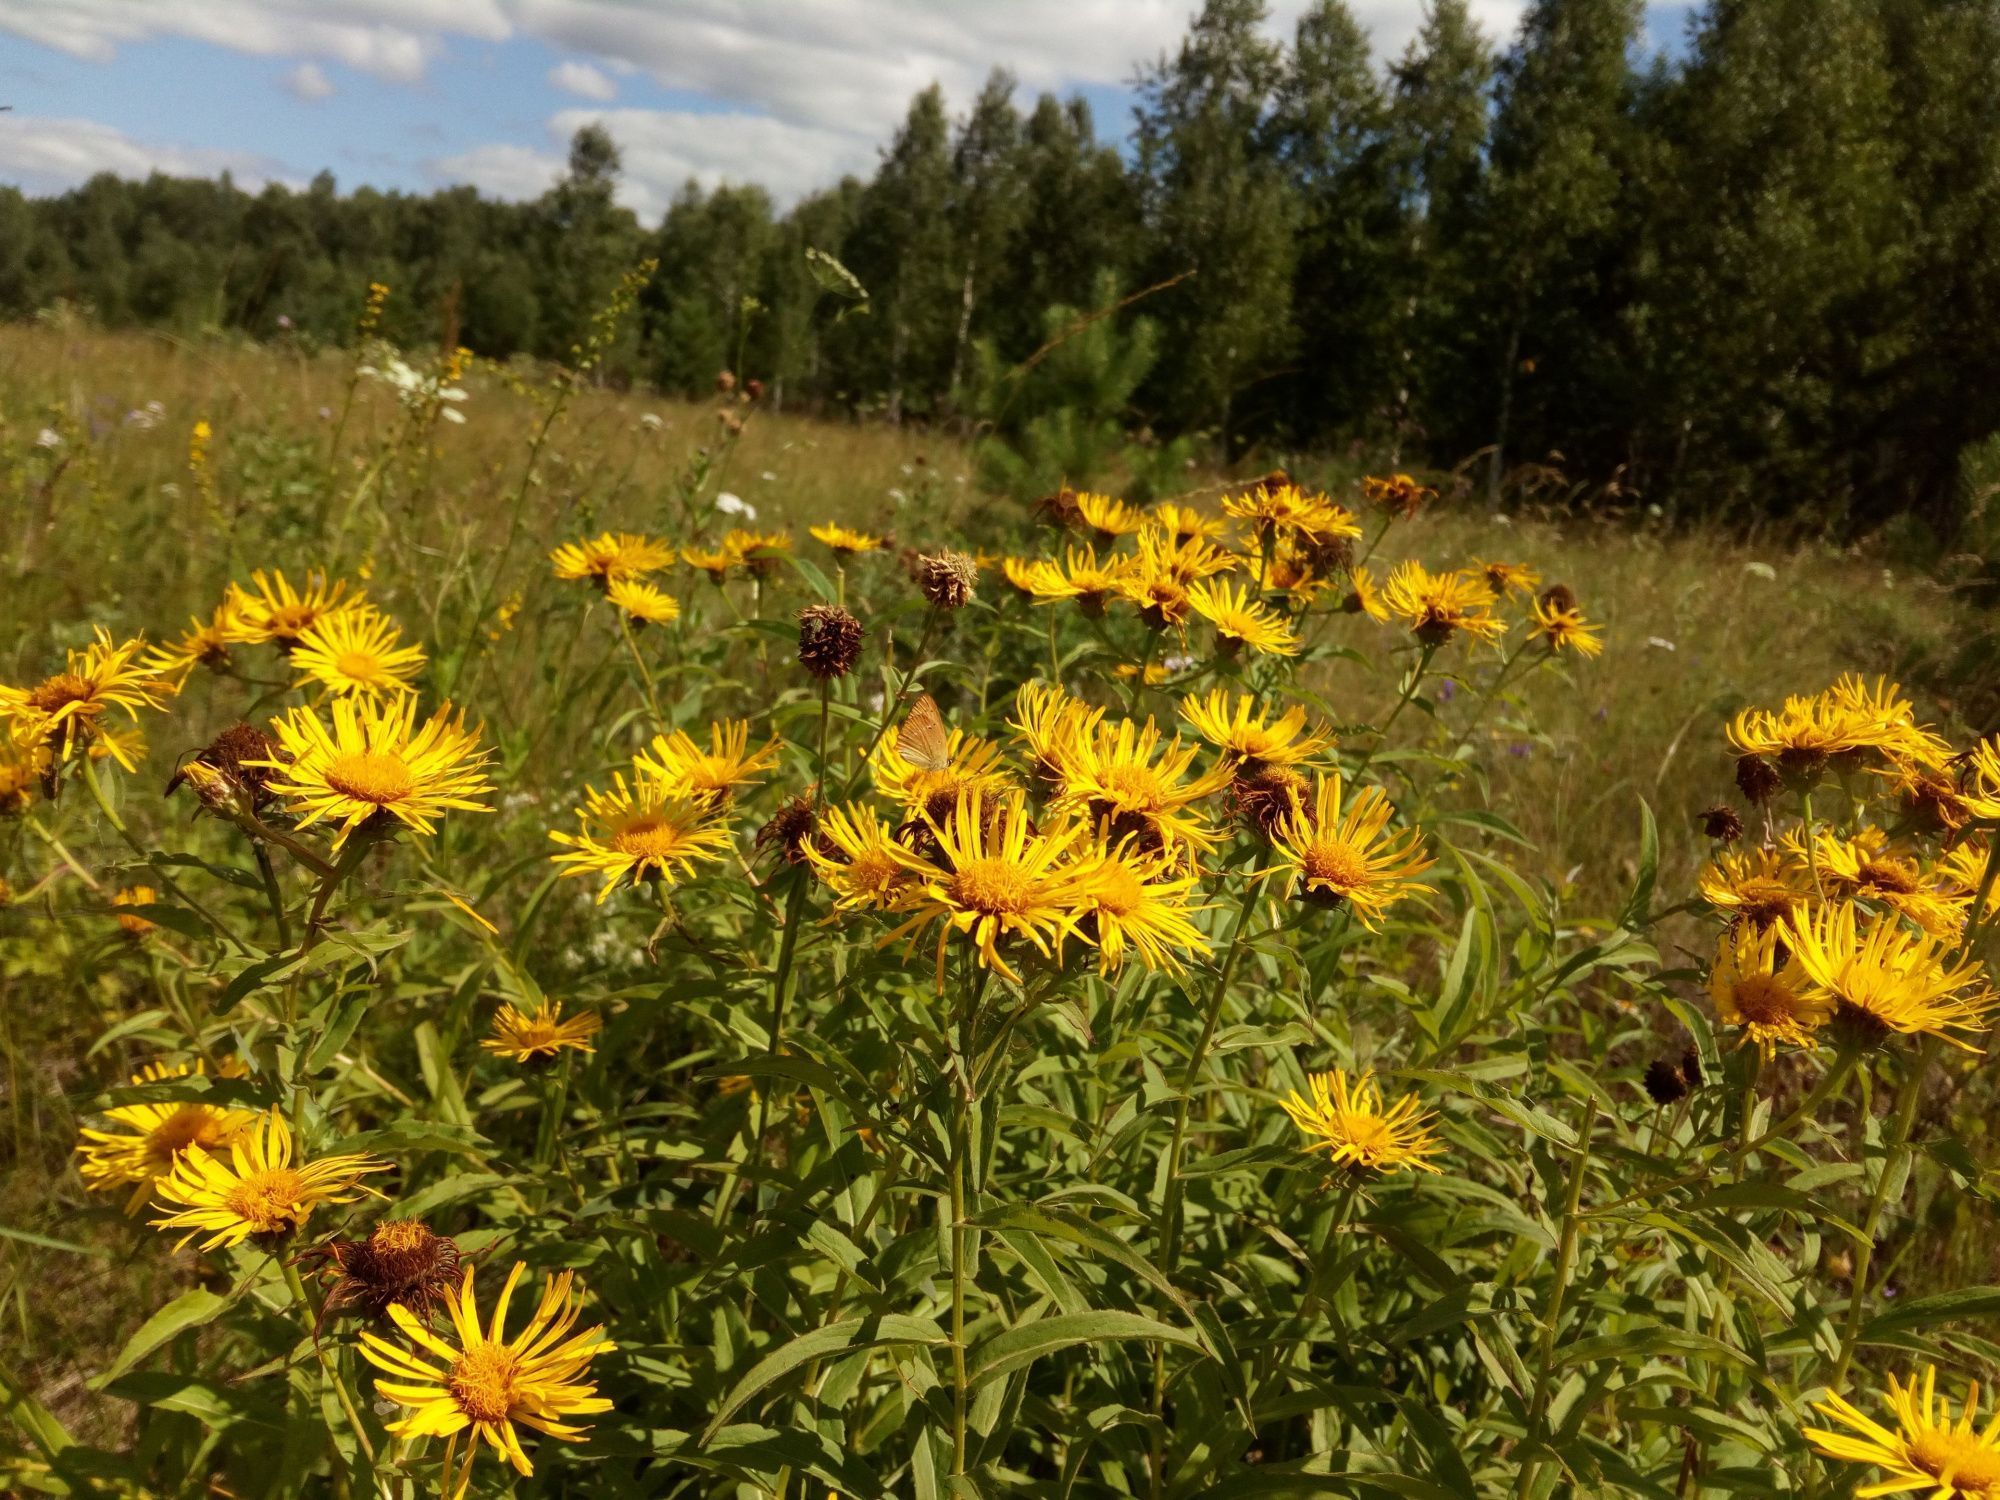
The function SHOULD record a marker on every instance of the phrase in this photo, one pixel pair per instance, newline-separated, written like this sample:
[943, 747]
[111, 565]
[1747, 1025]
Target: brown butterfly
[921, 740]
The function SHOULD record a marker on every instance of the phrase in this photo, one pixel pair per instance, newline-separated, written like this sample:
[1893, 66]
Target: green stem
[272, 894]
[961, 1232]
[1545, 1346]
[327, 1367]
[1409, 691]
[892, 708]
[645, 672]
[788, 946]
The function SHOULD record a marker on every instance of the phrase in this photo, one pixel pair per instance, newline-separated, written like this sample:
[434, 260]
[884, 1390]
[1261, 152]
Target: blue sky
[417, 93]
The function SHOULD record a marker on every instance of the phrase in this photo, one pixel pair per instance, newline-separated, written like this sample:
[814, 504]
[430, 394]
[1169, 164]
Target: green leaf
[849, 1333]
[1931, 1311]
[189, 1310]
[1025, 1343]
[1634, 913]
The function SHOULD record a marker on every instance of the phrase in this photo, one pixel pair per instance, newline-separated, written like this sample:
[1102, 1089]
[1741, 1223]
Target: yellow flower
[1272, 507]
[1775, 1003]
[22, 768]
[1130, 786]
[134, 895]
[1758, 886]
[1933, 802]
[484, 1383]
[357, 652]
[1437, 605]
[642, 602]
[260, 1191]
[204, 643]
[1081, 577]
[1509, 578]
[610, 555]
[1050, 722]
[1961, 872]
[1946, 1458]
[1869, 868]
[375, 765]
[1327, 526]
[1882, 704]
[1129, 903]
[1848, 718]
[536, 1036]
[994, 879]
[1363, 597]
[844, 541]
[279, 613]
[1883, 977]
[715, 562]
[1565, 629]
[1980, 787]
[1398, 494]
[1338, 853]
[1186, 524]
[759, 551]
[1349, 1120]
[1022, 573]
[1154, 672]
[971, 765]
[1240, 622]
[68, 710]
[1163, 555]
[1107, 517]
[1248, 737]
[140, 1143]
[641, 832]
[710, 776]
[856, 856]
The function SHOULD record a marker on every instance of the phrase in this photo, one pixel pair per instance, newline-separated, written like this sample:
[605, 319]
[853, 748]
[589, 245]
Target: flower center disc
[1335, 862]
[482, 1382]
[54, 692]
[648, 838]
[358, 666]
[267, 1201]
[1956, 1458]
[370, 776]
[992, 885]
[1764, 998]
[190, 1125]
[1119, 891]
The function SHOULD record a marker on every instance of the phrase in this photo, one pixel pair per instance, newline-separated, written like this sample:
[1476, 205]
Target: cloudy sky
[419, 93]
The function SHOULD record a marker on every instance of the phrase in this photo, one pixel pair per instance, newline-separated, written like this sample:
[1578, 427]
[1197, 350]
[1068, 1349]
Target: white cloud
[581, 79]
[45, 154]
[504, 171]
[308, 81]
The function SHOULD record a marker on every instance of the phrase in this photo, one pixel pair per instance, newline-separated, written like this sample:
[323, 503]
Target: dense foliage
[1753, 278]
[931, 1021]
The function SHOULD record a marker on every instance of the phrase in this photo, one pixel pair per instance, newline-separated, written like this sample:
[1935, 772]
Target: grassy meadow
[877, 1213]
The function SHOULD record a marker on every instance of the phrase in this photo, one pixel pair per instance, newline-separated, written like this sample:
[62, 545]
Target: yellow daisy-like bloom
[204, 643]
[22, 768]
[1398, 494]
[1961, 872]
[69, 709]
[644, 831]
[485, 1383]
[1022, 573]
[642, 602]
[1869, 868]
[376, 765]
[1131, 786]
[610, 555]
[1882, 703]
[845, 541]
[1350, 1121]
[1343, 853]
[1508, 578]
[260, 1192]
[1290, 571]
[715, 562]
[1562, 629]
[1239, 621]
[537, 1036]
[1154, 672]
[1050, 722]
[994, 879]
[1326, 524]
[1848, 718]
[1162, 555]
[856, 856]
[1758, 886]
[140, 1143]
[1883, 977]
[1933, 802]
[1129, 904]
[710, 776]
[1248, 736]
[1438, 605]
[1775, 1004]
[1928, 1449]
[759, 551]
[972, 765]
[1363, 597]
[1080, 577]
[1979, 789]
[1271, 507]
[357, 652]
[1186, 524]
[1107, 517]
[279, 613]
[134, 895]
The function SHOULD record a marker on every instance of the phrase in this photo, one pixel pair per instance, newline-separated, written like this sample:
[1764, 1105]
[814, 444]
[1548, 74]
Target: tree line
[1755, 276]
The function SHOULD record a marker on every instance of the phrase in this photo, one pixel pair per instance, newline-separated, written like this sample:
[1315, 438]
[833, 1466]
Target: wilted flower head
[829, 640]
[947, 579]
